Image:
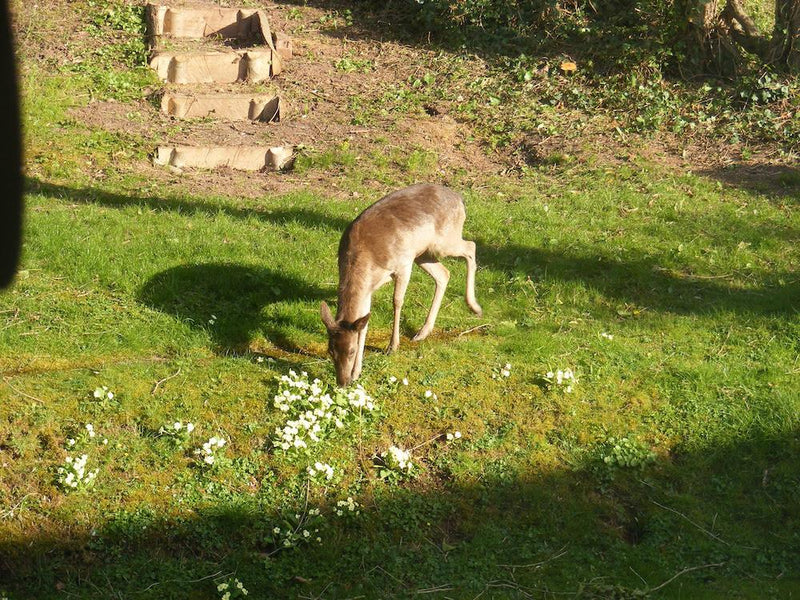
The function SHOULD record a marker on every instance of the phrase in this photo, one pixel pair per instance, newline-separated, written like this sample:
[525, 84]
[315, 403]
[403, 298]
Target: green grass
[670, 470]
[698, 291]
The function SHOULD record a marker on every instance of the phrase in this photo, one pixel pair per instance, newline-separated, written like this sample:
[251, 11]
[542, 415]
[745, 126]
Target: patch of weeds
[349, 64]
[118, 67]
[625, 453]
[335, 19]
[341, 157]
[420, 162]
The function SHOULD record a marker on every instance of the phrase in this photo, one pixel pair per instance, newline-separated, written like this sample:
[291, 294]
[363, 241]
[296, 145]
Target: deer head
[343, 344]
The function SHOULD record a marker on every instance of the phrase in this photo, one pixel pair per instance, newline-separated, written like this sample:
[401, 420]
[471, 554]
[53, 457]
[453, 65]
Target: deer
[419, 224]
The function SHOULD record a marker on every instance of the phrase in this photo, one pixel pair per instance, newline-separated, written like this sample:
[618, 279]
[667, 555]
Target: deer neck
[355, 292]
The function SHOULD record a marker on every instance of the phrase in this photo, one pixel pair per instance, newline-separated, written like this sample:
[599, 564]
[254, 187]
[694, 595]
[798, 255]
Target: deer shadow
[228, 301]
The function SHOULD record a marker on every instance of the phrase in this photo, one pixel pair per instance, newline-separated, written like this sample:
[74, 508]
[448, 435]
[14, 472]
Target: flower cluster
[347, 507]
[177, 433]
[315, 411]
[564, 378]
[88, 432]
[453, 436]
[502, 371]
[607, 336]
[103, 393]
[395, 464]
[430, 394]
[211, 450]
[392, 384]
[73, 474]
[320, 470]
[297, 529]
[231, 588]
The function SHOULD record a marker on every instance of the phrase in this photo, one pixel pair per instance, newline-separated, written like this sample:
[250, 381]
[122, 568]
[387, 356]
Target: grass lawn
[667, 467]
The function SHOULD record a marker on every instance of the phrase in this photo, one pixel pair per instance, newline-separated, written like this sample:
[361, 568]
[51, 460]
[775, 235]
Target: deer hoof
[420, 336]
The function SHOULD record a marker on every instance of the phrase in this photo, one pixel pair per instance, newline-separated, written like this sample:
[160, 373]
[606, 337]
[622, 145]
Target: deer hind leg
[466, 249]
[441, 276]
[400, 285]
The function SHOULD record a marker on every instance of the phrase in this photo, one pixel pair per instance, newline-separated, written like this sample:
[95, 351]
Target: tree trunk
[785, 44]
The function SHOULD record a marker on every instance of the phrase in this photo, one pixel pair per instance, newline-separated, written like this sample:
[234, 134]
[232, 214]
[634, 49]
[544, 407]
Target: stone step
[247, 158]
[244, 25]
[217, 66]
[234, 107]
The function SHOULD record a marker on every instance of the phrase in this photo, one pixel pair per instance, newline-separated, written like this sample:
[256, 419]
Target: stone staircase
[217, 62]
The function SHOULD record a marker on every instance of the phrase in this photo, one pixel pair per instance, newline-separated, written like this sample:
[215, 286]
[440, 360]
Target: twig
[445, 587]
[558, 554]
[425, 443]
[700, 527]
[687, 570]
[23, 394]
[160, 381]
[476, 328]
[212, 576]
[9, 513]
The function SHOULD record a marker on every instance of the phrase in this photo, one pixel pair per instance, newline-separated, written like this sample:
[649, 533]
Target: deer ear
[359, 324]
[327, 317]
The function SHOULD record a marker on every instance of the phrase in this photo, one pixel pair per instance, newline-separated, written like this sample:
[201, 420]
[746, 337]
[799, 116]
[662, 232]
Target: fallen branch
[160, 381]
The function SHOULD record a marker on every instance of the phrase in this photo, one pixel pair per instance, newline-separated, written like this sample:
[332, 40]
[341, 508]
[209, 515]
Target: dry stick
[476, 328]
[433, 439]
[687, 570]
[558, 554]
[160, 381]
[152, 585]
[23, 394]
[701, 528]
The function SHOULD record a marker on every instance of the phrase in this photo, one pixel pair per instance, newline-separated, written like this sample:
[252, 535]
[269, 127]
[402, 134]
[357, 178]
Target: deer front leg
[400, 284]
[362, 342]
[441, 276]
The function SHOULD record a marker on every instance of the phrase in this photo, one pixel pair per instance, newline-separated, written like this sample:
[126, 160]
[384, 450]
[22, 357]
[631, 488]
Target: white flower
[607, 336]
[392, 379]
[177, 425]
[457, 434]
[222, 586]
[276, 530]
[428, 393]
[405, 381]
[190, 427]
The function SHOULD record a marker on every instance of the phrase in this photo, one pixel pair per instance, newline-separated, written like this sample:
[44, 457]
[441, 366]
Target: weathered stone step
[198, 21]
[216, 66]
[247, 158]
[245, 25]
[235, 107]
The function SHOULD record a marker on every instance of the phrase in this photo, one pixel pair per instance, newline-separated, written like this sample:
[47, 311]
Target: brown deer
[419, 225]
